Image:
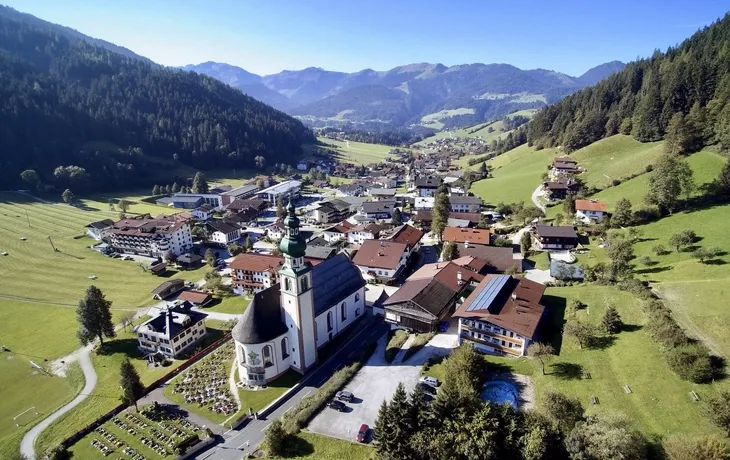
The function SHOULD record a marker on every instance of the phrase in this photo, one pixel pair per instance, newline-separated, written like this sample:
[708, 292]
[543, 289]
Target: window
[287, 284]
[343, 311]
[357, 297]
[357, 312]
[268, 356]
[304, 284]
[285, 347]
[329, 321]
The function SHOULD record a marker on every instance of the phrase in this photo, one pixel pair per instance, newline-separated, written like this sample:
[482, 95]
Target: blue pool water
[500, 392]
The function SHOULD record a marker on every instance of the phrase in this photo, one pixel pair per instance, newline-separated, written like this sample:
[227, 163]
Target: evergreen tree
[131, 384]
[280, 211]
[94, 317]
[622, 215]
[671, 178]
[440, 213]
[646, 122]
[400, 413]
[483, 222]
[168, 189]
[210, 257]
[569, 205]
[384, 431]
[247, 244]
[525, 243]
[721, 185]
[200, 185]
[68, 196]
[156, 190]
[420, 412]
[175, 188]
[612, 320]
[679, 139]
[450, 251]
[483, 168]
[397, 218]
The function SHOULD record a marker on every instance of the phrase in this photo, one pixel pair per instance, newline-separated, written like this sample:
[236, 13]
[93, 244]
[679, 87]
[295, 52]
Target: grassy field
[516, 175]
[310, 446]
[234, 304]
[433, 120]
[258, 400]
[615, 157]
[358, 152]
[480, 129]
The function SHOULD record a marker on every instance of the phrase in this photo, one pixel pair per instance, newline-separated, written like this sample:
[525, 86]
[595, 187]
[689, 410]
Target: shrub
[691, 362]
[649, 168]
[645, 260]
[660, 250]
[275, 439]
[718, 411]
[502, 242]
[680, 447]
[616, 182]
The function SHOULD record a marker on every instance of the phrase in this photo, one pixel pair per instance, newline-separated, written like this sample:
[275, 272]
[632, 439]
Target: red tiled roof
[257, 262]
[461, 235]
[591, 205]
[379, 254]
[408, 235]
[195, 297]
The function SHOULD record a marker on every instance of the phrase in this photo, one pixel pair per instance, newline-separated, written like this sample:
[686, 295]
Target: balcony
[515, 351]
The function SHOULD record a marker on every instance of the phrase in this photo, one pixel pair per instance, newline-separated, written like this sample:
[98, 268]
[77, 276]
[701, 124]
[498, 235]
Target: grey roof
[373, 207]
[382, 191]
[340, 205]
[319, 252]
[333, 280]
[189, 258]
[549, 231]
[185, 198]
[465, 200]
[242, 190]
[261, 322]
[428, 182]
[168, 284]
[220, 226]
[100, 224]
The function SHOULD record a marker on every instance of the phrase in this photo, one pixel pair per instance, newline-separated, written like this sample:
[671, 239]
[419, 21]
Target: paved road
[26, 445]
[238, 443]
[536, 199]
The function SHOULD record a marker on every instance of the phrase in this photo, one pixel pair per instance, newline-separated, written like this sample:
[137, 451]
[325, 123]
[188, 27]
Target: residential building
[382, 193]
[254, 272]
[408, 235]
[465, 203]
[456, 191]
[423, 203]
[380, 210]
[331, 211]
[429, 296]
[337, 232]
[286, 324]
[319, 252]
[168, 288]
[502, 316]
[498, 259]
[222, 232]
[195, 298]
[173, 331]
[427, 185]
[189, 261]
[97, 230]
[590, 211]
[241, 204]
[467, 235]
[381, 260]
[286, 190]
[563, 167]
[351, 189]
[149, 236]
[559, 189]
[202, 212]
[456, 219]
[275, 231]
[358, 235]
[554, 237]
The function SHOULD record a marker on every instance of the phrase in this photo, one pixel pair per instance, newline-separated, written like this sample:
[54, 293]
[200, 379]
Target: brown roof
[564, 160]
[148, 226]
[498, 259]
[591, 205]
[447, 273]
[520, 314]
[247, 203]
[461, 235]
[407, 234]
[372, 228]
[557, 185]
[195, 297]
[257, 262]
[379, 254]
[472, 263]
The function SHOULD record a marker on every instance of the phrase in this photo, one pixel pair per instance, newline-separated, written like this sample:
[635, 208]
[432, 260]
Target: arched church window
[357, 297]
[343, 311]
[287, 284]
[304, 284]
[284, 348]
[268, 356]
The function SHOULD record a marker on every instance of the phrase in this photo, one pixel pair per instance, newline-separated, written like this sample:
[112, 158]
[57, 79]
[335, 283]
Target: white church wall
[353, 309]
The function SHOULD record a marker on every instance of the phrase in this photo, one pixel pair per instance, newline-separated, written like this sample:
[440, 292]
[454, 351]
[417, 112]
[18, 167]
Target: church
[285, 325]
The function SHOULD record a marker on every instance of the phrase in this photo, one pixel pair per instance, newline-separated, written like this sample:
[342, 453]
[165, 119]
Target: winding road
[536, 198]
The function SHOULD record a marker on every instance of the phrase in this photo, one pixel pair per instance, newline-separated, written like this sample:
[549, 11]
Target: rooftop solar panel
[485, 298]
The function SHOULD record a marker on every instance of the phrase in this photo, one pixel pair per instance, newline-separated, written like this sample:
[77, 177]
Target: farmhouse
[382, 193]
[590, 211]
[429, 296]
[285, 324]
[196, 298]
[553, 237]
[465, 203]
[97, 230]
[172, 331]
[168, 288]
[381, 260]
[151, 236]
[502, 315]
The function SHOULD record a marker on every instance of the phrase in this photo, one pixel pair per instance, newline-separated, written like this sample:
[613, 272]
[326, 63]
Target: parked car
[362, 433]
[443, 326]
[427, 388]
[344, 396]
[337, 405]
[431, 381]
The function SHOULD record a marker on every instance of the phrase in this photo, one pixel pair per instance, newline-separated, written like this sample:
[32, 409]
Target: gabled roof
[319, 252]
[168, 284]
[374, 207]
[497, 258]
[472, 263]
[370, 228]
[379, 254]
[427, 182]
[333, 280]
[591, 205]
[240, 203]
[195, 297]
[382, 191]
[242, 190]
[160, 322]
[461, 235]
[469, 200]
[221, 226]
[256, 262]
[511, 303]
[407, 234]
[550, 231]
[261, 322]
[101, 224]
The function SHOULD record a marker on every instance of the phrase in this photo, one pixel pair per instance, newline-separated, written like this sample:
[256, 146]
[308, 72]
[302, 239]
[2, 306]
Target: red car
[362, 434]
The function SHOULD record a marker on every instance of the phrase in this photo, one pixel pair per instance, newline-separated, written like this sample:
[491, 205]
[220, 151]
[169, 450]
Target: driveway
[536, 198]
[376, 382]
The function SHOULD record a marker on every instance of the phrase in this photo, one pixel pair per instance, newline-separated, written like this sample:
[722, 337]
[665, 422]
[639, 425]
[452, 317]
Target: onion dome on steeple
[293, 243]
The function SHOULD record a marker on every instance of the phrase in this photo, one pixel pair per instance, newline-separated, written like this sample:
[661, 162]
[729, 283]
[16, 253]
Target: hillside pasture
[433, 120]
[358, 152]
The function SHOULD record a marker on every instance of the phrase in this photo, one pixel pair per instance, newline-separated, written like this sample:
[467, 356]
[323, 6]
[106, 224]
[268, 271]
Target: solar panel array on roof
[485, 298]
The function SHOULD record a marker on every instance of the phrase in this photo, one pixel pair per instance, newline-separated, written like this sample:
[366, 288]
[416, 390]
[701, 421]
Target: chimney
[466, 244]
[514, 296]
[458, 277]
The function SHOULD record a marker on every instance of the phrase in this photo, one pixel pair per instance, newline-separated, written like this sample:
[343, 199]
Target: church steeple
[292, 246]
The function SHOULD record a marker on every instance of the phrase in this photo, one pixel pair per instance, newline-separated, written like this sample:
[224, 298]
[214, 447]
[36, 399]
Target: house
[408, 235]
[319, 252]
[240, 204]
[467, 235]
[456, 219]
[429, 296]
[158, 269]
[427, 185]
[242, 219]
[502, 316]
[387, 182]
[173, 331]
[195, 298]
[275, 231]
[498, 259]
[286, 189]
[97, 230]
[380, 210]
[456, 191]
[189, 261]
[357, 235]
[423, 203]
[331, 211]
[382, 193]
[286, 324]
[555, 237]
[465, 203]
[337, 232]
[168, 288]
[222, 232]
[155, 237]
[590, 211]
[202, 212]
[381, 260]
[559, 189]
[254, 272]
[319, 183]
[563, 167]
[351, 189]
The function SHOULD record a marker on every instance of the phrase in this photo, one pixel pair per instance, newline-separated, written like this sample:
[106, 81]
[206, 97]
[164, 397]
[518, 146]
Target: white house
[173, 331]
[202, 212]
[97, 230]
[337, 232]
[285, 325]
[381, 260]
[422, 203]
[223, 232]
[590, 211]
[465, 203]
[275, 231]
[254, 272]
[358, 235]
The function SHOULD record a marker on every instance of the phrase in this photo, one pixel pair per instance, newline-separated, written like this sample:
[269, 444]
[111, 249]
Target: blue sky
[268, 36]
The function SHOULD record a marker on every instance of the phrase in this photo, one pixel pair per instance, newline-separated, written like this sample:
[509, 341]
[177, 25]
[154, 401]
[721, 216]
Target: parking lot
[376, 382]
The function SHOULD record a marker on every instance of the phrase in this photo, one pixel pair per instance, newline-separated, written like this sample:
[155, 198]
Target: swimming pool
[500, 392]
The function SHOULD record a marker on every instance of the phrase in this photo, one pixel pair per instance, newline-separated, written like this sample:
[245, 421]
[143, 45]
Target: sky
[268, 36]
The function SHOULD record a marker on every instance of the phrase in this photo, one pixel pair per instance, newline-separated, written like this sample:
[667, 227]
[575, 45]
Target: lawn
[312, 446]
[259, 399]
[539, 260]
[106, 394]
[233, 304]
[615, 157]
[358, 152]
[516, 174]
[396, 339]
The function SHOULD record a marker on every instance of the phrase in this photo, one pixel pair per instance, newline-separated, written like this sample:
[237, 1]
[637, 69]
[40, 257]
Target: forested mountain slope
[682, 95]
[59, 94]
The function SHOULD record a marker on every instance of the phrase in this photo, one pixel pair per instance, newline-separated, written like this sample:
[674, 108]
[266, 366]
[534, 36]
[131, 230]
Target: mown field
[516, 174]
[480, 129]
[433, 120]
[310, 446]
[358, 152]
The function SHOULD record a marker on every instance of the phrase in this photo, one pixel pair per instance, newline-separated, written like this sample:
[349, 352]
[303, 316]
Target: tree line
[67, 103]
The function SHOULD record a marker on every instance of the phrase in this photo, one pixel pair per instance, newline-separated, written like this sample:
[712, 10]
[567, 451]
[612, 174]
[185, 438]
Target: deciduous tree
[623, 215]
[605, 437]
[210, 257]
[563, 411]
[397, 218]
[670, 179]
[156, 190]
[718, 411]
[581, 332]
[525, 243]
[543, 352]
[31, 178]
[68, 196]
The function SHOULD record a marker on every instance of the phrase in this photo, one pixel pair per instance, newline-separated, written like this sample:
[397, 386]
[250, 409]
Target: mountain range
[404, 95]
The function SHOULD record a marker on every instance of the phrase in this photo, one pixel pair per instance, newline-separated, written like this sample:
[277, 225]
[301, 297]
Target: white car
[430, 381]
